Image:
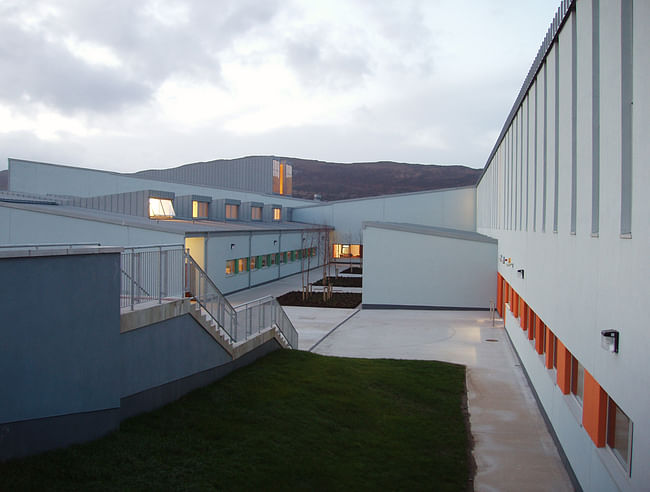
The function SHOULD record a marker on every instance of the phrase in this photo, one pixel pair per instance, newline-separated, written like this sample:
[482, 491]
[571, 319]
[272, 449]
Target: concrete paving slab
[512, 446]
[313, 324]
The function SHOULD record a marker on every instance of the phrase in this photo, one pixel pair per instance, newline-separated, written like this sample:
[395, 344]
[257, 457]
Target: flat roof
[432, 231]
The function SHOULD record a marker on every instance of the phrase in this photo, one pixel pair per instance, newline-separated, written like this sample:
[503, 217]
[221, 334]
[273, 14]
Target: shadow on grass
[292, 420]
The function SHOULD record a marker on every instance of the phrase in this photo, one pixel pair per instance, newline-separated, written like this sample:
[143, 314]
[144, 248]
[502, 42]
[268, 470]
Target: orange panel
[594, 410]
[563, 368]
[531, 331]
[524, 312]
[550, 340]
[499, 295]
[515, 304]
[539, 336]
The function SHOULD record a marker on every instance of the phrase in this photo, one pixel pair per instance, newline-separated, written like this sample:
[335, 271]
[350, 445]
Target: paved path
[512, 447]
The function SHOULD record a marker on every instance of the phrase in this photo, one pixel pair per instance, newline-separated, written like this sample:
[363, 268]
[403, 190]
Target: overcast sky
[126, 85]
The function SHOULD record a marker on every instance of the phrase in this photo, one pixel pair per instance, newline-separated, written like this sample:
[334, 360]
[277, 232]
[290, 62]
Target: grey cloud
[319, 63]
[38, 65]
[36, 69]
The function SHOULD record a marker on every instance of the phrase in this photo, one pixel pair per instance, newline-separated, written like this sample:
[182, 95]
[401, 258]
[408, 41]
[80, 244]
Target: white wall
[453, 208]
[411, 269]
[245, 245]
[581, 283]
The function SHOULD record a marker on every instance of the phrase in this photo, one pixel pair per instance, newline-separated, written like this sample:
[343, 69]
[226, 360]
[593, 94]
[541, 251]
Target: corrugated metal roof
[432, 231]
[175, 226]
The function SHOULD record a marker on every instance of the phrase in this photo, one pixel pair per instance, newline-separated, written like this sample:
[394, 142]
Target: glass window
[161, 208]
[577, 379]
[619, 434]
[243, 264]
[230, 267]
[253, 263]
[256, 213]
[277, 214]
[263, 261]
[199, 209]
[232, 211]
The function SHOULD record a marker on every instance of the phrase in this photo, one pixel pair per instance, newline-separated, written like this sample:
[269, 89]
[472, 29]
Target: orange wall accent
[563, 368]
[594, 411]
[500, 295]
[524, 312]
[539, 336]
[515, 304]
[550, 339]
[531, 331]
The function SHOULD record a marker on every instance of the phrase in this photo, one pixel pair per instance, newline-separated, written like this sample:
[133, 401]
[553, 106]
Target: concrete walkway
[512, 446]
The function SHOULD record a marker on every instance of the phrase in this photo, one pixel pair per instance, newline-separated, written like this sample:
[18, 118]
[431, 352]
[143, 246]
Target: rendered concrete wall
[453, 208]
[166, 351]
[59, 347]
[583, 281]
[421, 270]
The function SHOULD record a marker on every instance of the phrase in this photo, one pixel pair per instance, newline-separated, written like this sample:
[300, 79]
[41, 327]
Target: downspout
[279, 252]
[250, 241]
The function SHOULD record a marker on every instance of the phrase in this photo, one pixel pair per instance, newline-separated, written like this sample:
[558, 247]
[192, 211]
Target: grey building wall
[246, 173]
[421, 267]
[59, 348]
[44, 178]
[453, 208]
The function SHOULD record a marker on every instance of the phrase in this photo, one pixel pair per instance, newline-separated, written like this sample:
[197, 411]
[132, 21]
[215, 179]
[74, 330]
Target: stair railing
[200, 287]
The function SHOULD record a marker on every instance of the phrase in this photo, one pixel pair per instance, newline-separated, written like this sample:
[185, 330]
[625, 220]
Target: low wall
[73, 368]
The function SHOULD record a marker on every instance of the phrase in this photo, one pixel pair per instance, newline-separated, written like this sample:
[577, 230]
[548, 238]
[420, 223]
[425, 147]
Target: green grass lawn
[291, 421]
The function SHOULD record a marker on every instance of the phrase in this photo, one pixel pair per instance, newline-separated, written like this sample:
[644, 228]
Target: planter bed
[315, 299]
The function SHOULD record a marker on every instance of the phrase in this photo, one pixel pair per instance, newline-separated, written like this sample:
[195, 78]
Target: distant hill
[335, 181]
[4, 179]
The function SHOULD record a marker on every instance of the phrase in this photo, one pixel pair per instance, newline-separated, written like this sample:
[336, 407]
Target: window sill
[574, 407]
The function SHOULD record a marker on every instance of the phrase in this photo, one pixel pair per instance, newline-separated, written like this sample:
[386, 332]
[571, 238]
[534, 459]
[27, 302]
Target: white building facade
[564, 193]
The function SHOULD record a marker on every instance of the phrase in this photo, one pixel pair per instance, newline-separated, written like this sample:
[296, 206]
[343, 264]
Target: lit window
[243, 264]
[277, 214]
[230, 267]
[253, 263]
[161, 208]
[256, 213]
[577, 379]
[264, 261]
[199, 210]
[619, 434]
[232, 211]
[347, 251]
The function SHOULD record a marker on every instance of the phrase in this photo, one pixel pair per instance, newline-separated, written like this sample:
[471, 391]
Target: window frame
[611, 439]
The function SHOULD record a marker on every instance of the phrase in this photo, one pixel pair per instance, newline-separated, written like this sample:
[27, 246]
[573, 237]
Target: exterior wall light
[232, 245]
[521, 272]
[609, 340]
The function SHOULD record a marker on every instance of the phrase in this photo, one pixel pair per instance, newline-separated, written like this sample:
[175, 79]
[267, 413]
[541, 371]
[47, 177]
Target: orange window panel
[550, 349]
[563, 368]
[594, 410]
[539, 336]
[499, 295]
[515, 305]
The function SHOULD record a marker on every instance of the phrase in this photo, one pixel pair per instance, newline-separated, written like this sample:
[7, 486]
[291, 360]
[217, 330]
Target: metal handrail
[266, 312]
[154, 273]
[199, 286]
[48, 245]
